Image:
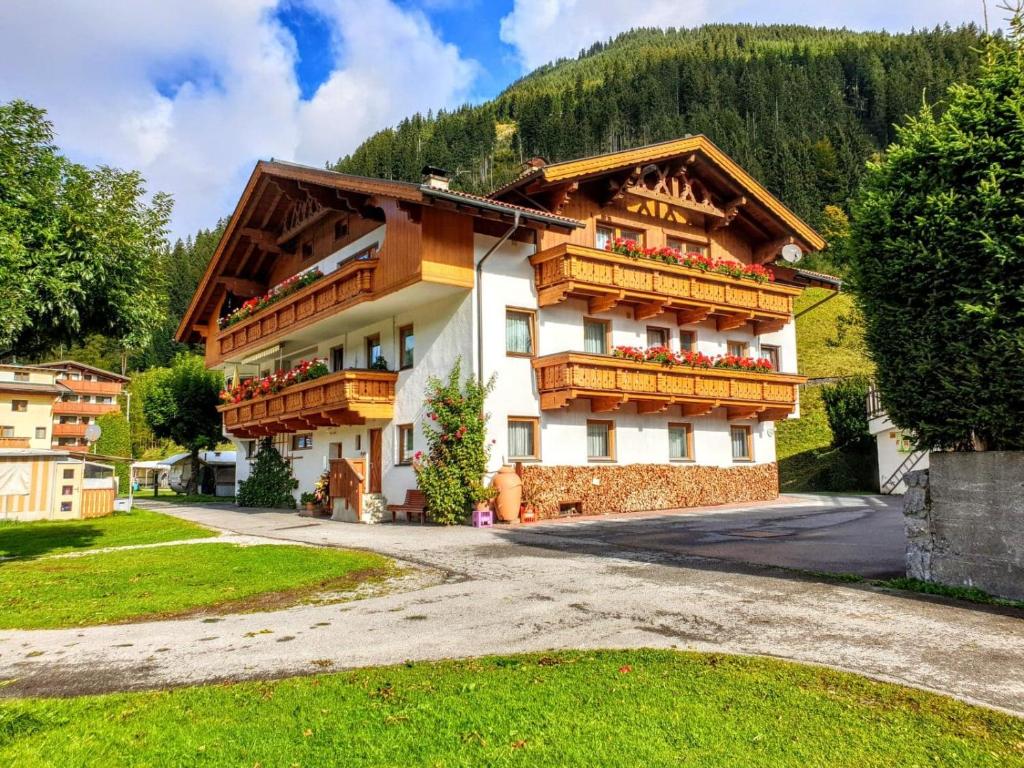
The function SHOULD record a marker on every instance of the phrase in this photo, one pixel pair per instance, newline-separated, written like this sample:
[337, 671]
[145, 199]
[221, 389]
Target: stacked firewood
[598, 490]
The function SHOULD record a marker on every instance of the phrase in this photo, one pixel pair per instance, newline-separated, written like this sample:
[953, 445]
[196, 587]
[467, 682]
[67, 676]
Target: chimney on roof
[435, 178]
[534, 162]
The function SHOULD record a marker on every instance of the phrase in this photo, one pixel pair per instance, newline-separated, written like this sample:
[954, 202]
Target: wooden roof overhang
[739, 199]
[281, 200]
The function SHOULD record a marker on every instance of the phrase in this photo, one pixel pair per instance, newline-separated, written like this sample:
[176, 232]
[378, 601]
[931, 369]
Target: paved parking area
[838, 534]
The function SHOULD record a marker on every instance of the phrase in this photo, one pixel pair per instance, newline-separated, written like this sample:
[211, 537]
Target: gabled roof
[599, 165]
[76, 364]
[403, 191]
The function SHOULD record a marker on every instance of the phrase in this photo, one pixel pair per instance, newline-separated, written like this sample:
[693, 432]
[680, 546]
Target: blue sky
[193, 92]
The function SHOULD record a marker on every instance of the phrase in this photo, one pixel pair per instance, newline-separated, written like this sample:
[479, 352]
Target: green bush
[847, 414]
[270, 482]
[451, 472]
[115, 440]
[938, 266]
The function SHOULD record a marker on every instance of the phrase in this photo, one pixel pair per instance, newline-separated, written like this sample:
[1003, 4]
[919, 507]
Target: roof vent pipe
[435, 178]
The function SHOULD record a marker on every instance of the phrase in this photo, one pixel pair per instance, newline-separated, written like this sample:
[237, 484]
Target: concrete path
[531, 589]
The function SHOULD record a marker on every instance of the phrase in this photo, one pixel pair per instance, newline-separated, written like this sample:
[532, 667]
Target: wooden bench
[414, 506]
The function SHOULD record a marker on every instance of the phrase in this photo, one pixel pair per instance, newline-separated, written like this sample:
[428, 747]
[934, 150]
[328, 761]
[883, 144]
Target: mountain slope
[799, 107]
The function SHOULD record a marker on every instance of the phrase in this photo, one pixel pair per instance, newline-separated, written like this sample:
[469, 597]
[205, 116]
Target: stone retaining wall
[604, 489]
[965, 521]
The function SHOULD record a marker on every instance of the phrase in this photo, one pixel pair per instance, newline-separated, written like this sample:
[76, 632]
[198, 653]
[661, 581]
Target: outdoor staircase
[896, 477]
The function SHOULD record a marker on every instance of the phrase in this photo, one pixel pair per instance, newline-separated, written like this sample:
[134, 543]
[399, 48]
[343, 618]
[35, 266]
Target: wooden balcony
[349, 285]
[345, 397]
[71, 408]
[607, 279]
[81, 387]
[69, 430]
[610, 382]
[14, 442]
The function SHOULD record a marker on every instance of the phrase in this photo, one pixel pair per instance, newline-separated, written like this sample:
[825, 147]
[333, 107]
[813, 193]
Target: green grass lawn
[108, 587]
[638, 708]
[118, 530]
[179, 498]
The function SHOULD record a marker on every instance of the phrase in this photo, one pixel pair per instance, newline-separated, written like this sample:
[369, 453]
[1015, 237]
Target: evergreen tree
[270, 482]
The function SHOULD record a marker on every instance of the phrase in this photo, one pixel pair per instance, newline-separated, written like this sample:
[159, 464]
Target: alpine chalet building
[634, 309]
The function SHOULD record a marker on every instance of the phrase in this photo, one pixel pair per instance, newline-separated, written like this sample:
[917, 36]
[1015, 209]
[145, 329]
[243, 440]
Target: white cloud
[234, 98]
[543, 30]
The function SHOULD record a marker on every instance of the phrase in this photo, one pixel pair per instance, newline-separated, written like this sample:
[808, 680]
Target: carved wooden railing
[350, 284]
[344, 397]
[610, 382]
[14, 442]
[347, 482]
[653, 287]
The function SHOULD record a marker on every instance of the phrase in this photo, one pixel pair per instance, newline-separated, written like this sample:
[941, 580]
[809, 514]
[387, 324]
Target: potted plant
[380, 364]
[308, 500]
[483, 496]
[322, 491]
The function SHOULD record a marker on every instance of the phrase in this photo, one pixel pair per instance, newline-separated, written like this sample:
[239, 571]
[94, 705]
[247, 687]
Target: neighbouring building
[546, 285]
[89, 393]
[27, 397]
[896, 452]
[37, 482]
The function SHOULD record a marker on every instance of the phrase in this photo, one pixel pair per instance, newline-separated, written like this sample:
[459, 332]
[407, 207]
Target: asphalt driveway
[863, 535]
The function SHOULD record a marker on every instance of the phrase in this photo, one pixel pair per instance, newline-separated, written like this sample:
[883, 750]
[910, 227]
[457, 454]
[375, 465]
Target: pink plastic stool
[483, 518]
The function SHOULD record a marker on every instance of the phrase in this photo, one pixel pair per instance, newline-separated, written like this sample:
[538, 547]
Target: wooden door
[375, 461]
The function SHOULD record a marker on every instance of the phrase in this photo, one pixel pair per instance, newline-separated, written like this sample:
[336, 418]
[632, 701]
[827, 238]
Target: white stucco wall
[509, 282]
[890, 457]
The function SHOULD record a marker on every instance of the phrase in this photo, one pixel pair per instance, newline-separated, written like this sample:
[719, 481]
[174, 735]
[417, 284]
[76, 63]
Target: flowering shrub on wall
[275, 294]
[451, 470]
[666, 357]
[306, 370]
[699, 261]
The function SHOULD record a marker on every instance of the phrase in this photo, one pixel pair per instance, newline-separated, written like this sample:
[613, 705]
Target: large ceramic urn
[510, 493]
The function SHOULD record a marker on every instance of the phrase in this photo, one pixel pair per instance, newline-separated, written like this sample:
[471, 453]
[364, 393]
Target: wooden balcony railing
[344, 397]
[72, 408]
[349, 285]
[81, 387]
[609, 382]
[69, 430]
[607, 279]
[874, 403]
[14, 442]
[347, 482]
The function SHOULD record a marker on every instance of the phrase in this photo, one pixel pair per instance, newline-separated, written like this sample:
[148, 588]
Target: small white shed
[217, 472]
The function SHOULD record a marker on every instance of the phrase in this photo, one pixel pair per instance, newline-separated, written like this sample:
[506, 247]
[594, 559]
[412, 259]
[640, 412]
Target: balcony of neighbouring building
[350, 284]
[70, 430]
[84, 387]
[653, 288]
[337, 399]
[73, 408]
[610, 382]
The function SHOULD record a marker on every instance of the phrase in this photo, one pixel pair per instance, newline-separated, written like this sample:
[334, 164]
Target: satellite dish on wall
[92, 433]
[791, 253]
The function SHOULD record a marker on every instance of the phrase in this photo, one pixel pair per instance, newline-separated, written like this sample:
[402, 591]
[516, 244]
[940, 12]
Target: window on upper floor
[40, 433]
[337, 358]
[657, 337]
[772, 352]
[373, 350]
[687, 246]
[523, 438]
[406, 346]
[520, 329]
[6, 431]
[19, 406]
[736, 348]
[687, 341]
[21, 376]
[104, 399]
[595, 336]
[606, 234]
